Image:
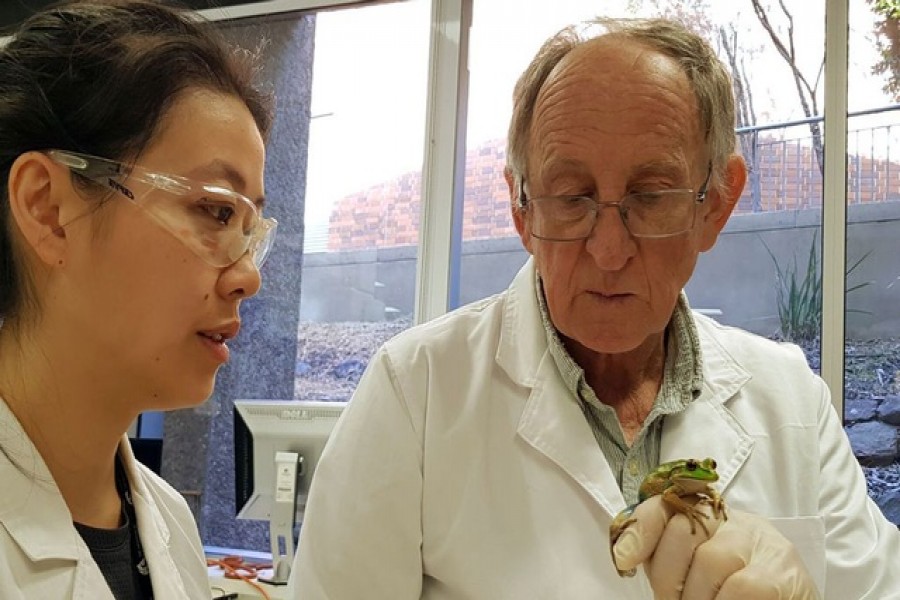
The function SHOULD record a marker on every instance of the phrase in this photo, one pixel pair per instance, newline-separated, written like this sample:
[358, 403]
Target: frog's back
[653, 486]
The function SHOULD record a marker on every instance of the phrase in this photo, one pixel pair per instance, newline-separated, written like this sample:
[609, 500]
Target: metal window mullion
[444, 159]
[834, 206]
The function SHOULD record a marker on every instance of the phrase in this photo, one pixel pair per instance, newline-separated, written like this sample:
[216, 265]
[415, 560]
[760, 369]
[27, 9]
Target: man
[486, 453]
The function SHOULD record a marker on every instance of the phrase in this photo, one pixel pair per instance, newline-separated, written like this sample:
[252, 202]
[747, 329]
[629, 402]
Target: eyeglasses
[217, 224]
[651, 214]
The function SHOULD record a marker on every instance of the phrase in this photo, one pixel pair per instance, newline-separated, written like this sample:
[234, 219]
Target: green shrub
[799, 295]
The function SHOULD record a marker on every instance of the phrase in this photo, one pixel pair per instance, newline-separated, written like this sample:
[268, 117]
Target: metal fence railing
[785, 168]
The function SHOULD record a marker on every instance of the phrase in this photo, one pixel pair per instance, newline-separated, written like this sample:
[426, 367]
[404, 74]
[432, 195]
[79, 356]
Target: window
[872, 300]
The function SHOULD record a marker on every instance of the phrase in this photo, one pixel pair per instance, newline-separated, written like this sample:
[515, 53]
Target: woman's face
[144, 309]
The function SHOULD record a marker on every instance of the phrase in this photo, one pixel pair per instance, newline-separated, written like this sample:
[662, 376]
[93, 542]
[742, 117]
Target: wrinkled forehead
[615, 95]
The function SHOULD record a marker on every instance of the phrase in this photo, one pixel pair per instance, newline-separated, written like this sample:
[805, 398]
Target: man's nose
[610, 244]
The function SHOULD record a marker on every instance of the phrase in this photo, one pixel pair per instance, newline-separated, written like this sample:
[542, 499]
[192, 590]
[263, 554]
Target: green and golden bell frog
[673, 481]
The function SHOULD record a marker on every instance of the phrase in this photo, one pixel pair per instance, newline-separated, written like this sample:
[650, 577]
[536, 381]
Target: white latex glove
[743, 557]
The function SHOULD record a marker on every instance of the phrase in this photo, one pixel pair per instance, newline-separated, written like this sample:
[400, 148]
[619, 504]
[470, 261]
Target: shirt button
[633, 468]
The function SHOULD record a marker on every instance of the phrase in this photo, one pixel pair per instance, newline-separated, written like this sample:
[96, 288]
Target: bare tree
[695, 14]
[805, 91]
[745, 111]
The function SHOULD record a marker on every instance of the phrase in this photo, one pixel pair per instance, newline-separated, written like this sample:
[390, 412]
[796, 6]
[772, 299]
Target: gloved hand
[743, 556]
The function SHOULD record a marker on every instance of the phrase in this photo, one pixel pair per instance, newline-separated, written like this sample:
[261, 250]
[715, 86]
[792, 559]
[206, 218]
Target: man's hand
[742, 557]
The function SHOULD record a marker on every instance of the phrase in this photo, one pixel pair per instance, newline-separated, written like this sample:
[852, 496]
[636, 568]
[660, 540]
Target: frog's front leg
[717, 502]
[618, 525]
[673, 497]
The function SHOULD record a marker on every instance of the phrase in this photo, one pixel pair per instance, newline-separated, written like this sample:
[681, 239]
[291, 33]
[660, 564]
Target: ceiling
[13, 12]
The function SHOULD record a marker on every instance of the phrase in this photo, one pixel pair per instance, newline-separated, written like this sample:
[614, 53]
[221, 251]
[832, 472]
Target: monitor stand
[288, 468]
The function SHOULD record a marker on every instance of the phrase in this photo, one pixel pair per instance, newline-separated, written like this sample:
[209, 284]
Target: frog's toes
[697, 517]
[718, 506]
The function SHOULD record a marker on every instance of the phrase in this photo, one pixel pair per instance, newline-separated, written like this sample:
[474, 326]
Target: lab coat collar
[523, 342]
[151, 524]
[164, 573]
[29, 490]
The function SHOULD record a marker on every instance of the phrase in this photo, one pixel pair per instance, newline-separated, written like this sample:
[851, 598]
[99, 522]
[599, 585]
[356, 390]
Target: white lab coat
[464, 469]
[42, 556]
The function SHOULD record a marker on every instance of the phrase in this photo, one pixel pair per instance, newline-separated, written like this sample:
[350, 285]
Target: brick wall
[387, 215]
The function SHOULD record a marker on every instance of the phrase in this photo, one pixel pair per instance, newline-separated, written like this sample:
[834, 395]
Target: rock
[889, 411]
[302, 369]
[889, 503]
[874, 443]
[349, 369]
[860, 410]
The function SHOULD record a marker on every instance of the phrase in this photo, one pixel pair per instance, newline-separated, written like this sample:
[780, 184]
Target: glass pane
[491, 250]
[363, 196]
[872, 349]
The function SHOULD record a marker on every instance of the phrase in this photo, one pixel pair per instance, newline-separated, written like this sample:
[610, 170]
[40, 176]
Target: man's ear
[34, 199]
[722, 203]
[517, 211]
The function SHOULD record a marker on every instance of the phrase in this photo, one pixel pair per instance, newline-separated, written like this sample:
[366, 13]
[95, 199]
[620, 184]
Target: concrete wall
[737, 278]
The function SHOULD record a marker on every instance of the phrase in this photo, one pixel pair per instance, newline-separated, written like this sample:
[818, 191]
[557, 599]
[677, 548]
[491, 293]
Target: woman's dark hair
[97, 76]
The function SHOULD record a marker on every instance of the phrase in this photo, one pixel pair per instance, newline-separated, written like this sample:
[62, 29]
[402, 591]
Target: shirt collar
[684, 360]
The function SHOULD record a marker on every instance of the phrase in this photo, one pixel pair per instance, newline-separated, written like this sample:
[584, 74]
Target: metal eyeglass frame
[623, 212]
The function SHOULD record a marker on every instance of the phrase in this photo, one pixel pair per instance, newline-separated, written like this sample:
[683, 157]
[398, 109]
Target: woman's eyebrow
[220, 169]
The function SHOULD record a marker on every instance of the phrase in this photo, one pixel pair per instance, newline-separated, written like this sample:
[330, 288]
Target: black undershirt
[117, 551]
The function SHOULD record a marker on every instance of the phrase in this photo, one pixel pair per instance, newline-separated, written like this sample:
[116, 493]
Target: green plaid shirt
[682, 381]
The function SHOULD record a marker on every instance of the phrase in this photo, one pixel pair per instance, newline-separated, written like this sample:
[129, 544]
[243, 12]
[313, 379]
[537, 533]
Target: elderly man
[485, 454]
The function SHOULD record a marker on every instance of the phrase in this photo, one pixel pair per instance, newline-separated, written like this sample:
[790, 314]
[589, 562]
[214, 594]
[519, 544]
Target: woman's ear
[35, 195]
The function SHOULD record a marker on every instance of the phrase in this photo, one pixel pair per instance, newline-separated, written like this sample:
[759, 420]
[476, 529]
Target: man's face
[614, 118]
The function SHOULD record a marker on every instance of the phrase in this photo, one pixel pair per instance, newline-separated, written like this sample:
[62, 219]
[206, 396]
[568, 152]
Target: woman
[131, 157]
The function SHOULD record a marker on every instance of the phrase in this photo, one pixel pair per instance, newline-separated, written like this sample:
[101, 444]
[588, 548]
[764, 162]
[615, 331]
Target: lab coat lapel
[29, 490]
[164, 574]
[552, 421]
[707, 428]
[554, 425]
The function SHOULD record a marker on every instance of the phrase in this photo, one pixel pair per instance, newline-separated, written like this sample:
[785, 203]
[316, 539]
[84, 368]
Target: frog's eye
[712, 464]
[691, 464]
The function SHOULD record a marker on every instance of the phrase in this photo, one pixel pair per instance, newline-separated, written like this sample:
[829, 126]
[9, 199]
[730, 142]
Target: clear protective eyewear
[217, 224]
[650, 214]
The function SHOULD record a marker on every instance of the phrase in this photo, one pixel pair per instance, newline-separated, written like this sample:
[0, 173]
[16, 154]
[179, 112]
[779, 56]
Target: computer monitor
[277, 444]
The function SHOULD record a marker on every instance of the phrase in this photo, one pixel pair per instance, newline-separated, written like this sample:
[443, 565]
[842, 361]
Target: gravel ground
[331, 357]
[882, 479]
[872, 371]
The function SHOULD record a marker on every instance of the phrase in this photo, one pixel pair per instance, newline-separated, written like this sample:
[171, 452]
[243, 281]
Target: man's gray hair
[707, 75]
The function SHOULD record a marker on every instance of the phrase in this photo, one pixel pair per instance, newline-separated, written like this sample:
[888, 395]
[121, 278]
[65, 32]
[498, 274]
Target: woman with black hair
[132, 147]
